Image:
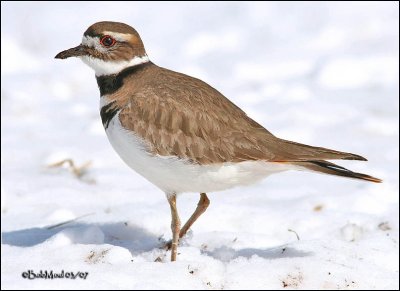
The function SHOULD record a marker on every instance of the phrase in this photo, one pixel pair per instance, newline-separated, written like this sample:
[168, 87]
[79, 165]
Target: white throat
[109, 67]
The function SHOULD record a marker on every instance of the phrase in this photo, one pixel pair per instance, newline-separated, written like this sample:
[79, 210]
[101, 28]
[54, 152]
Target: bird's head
[108, 48]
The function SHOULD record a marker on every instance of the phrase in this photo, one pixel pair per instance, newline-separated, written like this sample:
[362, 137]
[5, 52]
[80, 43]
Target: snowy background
[324, 74]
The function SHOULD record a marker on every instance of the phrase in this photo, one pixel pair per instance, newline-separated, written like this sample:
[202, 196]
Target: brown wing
[183, 116]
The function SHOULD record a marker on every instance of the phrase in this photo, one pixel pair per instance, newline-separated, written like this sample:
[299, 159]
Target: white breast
[173, 175]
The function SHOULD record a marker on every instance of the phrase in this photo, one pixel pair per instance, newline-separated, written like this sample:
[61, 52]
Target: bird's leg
[175, 226]
[200, 209]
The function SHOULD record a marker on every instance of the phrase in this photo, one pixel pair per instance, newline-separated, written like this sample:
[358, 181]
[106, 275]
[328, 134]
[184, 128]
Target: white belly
[173, 175]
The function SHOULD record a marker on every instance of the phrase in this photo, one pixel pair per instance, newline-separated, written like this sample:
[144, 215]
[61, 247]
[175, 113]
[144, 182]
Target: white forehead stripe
[93, 42]
[102, 68]
[90, 41]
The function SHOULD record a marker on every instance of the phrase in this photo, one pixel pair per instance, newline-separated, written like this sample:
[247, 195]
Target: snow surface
[319, 73]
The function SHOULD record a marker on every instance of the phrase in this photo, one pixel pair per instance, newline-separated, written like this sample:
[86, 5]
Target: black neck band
[109, 84]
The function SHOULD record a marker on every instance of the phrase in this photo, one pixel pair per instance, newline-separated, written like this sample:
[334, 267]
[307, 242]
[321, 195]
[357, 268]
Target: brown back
[182, 116]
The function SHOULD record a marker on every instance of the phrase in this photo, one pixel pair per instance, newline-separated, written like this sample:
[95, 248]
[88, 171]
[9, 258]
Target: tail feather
[294, 151]
[333, 169]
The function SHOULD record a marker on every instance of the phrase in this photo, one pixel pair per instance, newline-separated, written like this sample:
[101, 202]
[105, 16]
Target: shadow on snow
[138, 240]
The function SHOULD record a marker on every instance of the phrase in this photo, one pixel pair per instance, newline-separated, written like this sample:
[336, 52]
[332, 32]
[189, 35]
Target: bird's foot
[166, 245]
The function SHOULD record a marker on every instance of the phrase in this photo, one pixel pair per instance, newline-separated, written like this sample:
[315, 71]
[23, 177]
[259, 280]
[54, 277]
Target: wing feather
[183, 116]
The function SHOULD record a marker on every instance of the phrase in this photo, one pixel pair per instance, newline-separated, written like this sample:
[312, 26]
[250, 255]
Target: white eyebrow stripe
[118, 36]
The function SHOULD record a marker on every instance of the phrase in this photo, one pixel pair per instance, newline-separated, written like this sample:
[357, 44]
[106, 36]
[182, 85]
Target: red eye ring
[107, 41]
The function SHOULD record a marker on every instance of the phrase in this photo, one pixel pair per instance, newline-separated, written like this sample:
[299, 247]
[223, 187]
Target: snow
[319, 73]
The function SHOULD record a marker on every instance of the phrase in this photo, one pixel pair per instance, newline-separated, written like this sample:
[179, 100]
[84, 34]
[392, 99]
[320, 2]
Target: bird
[180, 133]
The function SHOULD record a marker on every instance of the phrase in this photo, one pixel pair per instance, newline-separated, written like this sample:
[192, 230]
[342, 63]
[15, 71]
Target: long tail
[333, 169]
[293, 151]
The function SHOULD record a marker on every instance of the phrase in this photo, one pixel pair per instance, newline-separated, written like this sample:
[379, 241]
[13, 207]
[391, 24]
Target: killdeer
[180, 133]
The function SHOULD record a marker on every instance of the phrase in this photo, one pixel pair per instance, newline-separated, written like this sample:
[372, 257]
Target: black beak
[80, 50]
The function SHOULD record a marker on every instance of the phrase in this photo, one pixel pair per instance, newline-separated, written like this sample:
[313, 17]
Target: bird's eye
[107, 41]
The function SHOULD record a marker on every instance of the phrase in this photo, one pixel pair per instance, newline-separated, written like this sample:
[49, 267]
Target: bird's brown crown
[98, 28]
[113, 41]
